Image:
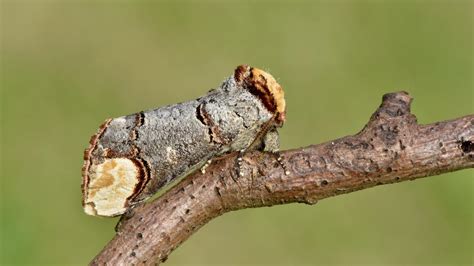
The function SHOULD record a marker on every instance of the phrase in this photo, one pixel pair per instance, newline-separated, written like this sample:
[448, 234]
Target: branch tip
[397, 103]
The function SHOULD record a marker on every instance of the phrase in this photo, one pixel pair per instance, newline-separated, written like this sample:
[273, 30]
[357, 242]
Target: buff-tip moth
[131, 157]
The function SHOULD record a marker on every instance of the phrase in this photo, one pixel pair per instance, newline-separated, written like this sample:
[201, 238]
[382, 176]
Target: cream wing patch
[111, 184]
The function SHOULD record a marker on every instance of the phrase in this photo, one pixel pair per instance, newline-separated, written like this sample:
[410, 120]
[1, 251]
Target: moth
[131, 157]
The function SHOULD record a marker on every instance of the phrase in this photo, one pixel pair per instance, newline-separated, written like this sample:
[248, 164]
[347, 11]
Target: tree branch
[391, 148]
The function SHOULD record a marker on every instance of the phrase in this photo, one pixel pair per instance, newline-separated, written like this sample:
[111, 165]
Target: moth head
[265, 87]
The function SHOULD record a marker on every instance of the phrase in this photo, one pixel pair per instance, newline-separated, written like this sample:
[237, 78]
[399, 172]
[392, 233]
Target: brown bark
[391, 148]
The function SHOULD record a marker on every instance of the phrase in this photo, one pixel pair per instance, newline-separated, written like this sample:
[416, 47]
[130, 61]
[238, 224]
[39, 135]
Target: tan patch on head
[264, 86]
[267, 81]
[111, 184]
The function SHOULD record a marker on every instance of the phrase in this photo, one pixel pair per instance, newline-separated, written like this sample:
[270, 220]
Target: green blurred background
[68, 65]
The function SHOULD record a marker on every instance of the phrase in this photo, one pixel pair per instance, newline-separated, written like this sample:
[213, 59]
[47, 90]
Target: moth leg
[257, 144]
[124, 217]
[238, 165]
[271, 143]
[203, 168]
[118, 226]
